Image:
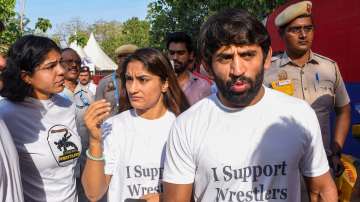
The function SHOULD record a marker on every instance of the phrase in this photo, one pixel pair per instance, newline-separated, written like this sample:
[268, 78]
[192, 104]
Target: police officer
[312, 77]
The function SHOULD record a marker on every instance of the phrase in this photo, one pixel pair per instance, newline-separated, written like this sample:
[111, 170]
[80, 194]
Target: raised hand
[94, 116]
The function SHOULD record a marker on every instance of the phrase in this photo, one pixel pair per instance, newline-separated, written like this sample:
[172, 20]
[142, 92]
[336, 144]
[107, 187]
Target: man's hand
[322, 188]
[335, 159]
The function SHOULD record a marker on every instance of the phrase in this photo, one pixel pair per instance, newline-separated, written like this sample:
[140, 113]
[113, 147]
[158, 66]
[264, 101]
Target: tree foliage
[10, 32]
[43, 24]
[80, 37]
[181, 15]
[109, 35]
[12, 26]
[7, 9]
[136, 31]
[132, 31]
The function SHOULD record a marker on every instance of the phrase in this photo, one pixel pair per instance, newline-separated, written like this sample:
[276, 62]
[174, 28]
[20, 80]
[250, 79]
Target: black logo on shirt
[63, 145]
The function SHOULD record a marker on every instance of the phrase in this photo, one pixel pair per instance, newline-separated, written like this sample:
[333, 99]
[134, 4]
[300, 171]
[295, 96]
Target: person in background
[133, 140]
[309, 76]
[83, 97]
[71, 61]
[41, 122]
[247, 142]
[85, 82]
[181, 54]
[109, 86]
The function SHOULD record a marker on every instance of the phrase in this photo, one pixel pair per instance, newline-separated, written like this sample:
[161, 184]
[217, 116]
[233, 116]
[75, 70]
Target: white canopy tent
[97, 56]
[78, 49]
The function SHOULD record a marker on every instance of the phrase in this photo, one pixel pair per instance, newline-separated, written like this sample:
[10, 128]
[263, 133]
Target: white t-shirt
[134, 154]
[256, 153]
[44, 133]
[10, 180]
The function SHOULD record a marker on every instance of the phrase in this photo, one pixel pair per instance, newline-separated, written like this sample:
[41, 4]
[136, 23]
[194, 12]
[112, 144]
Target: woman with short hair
[126, 157]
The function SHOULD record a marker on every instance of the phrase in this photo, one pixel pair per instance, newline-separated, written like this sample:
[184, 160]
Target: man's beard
[244, 98]
[181, 67]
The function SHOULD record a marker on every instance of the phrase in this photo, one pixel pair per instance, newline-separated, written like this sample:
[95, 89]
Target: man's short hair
[180, 37]
[231, 26]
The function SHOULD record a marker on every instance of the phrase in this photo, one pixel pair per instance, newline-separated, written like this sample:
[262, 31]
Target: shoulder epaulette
[276, 57]
[323, 57]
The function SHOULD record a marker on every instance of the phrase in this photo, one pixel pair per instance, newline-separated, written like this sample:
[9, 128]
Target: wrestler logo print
[63, 144]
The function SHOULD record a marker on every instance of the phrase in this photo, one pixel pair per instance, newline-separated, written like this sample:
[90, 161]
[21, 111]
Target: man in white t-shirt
[247, 142]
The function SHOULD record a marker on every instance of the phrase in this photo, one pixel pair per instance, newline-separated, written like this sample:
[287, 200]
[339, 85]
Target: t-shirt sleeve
[341, 95]
[179, 167]
[110, 147]
[314, 161]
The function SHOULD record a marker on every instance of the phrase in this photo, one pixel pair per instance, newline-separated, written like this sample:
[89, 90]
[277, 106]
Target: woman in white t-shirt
[41, 123]
[125, 156]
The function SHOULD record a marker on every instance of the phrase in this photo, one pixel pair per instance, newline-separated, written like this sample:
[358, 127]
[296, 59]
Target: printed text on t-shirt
[249, 174]
[147, 174]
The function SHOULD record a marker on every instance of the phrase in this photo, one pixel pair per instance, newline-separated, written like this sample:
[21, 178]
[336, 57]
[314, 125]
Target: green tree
[167, 16]
[43, 24]
[7, 10]
[12, 32]
[7, 15]
[80, 38]
[111, 35]
[136, 31]
[181, 15]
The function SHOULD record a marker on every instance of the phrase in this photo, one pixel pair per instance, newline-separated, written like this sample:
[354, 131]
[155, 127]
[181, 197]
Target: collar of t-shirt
[144, 120]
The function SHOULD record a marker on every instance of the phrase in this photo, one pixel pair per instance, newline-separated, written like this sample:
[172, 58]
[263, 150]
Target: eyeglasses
[299, 29]
[70, 62]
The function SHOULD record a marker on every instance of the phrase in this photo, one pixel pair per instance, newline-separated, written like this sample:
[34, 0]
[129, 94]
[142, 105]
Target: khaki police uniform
[318, 82]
